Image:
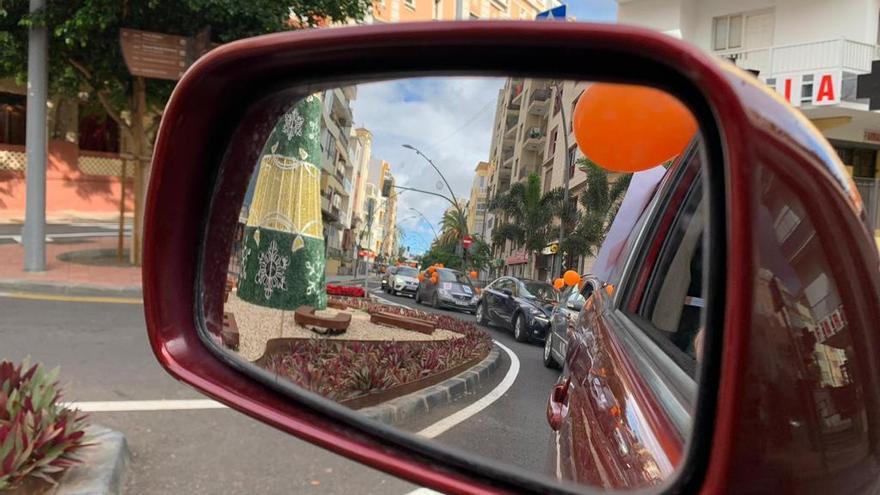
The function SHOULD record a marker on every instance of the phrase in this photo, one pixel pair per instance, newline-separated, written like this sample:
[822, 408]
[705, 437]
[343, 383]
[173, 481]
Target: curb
[423, 401]
[65, 288]
[102, 465]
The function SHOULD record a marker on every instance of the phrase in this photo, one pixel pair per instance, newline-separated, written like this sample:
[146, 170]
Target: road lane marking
[423, 491]
[462, 415]
[65, 298]
[145, 405]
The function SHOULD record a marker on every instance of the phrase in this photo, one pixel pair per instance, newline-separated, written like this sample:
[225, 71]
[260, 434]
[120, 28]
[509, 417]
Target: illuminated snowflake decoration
[293, 124]
[272, 269]
[313, 131]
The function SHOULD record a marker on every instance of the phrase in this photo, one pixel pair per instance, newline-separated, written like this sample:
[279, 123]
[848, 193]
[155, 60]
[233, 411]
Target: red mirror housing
[196, 189]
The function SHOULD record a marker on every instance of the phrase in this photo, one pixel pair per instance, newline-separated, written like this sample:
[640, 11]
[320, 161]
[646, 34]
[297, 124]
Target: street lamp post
[426, 220]
[454, 200]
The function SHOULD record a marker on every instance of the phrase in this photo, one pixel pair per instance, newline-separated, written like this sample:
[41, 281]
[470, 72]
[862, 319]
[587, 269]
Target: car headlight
[539, 315]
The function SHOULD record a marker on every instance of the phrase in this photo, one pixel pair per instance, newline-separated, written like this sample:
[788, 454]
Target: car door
[629, 387]
[507, 303]
[491, 298]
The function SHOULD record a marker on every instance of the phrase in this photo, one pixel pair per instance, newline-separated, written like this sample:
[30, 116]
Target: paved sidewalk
[66, 276]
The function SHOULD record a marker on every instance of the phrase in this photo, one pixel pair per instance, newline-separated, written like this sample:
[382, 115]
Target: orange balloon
[440, 265]
[421, 276]
[435, 278]
[627, 128]
[431, 269]
[558, 283]
[571, 277]
[473, 274]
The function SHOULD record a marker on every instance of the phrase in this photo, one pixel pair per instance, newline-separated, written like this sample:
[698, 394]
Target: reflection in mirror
[512, 267]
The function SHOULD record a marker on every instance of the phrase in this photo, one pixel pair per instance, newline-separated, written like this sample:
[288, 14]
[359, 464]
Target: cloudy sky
[449, 120]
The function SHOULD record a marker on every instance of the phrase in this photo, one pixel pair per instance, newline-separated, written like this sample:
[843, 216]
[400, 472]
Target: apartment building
[360, 151]
[811, 52]
[476, 214]
[372, 233]
[337, 172]
[529, 136]
[447, 10]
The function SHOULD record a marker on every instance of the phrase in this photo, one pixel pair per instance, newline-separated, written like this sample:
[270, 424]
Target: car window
[453, 276]
[667, 300]
[406, 271]
[576, 298]
[538, 290]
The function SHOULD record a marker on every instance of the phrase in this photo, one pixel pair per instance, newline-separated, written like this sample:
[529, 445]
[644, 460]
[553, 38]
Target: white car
[403, 281]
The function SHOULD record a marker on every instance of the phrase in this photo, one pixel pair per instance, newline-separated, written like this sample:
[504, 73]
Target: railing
[852, 56]
[869, 189]
[539, 95]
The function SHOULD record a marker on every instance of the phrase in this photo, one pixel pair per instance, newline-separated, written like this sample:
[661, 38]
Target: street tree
[85, 57]
[453, 226]
[586, 226]
[526, 216]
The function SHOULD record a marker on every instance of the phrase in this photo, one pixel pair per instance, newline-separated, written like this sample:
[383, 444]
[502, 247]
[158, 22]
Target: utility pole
[567, 176]
[34, 235]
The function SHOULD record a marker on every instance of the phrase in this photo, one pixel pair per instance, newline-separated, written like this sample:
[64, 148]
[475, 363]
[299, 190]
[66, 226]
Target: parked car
[563, 317]
[520, 305]
[386, 275]
[452, 290]
[402, 280]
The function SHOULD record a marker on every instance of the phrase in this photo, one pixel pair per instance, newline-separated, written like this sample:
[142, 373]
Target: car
[386, 276]
[452, 290]
[402, 280]
[563, 317]
[522, 306]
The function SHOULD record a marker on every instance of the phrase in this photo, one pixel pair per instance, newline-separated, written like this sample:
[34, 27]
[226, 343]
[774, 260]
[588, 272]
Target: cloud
[449, 119]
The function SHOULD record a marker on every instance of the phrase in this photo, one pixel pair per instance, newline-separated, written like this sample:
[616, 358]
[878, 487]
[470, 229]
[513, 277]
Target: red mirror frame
[246, 77]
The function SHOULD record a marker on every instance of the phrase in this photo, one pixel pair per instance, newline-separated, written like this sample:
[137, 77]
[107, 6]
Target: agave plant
[38, 435]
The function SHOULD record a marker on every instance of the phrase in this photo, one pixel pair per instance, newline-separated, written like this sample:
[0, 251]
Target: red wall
[69, 192]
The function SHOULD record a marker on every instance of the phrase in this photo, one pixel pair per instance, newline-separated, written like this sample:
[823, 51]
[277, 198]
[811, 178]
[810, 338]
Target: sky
[450, 120]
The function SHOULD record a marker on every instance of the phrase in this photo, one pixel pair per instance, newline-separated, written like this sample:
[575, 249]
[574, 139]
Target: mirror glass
[508, 266]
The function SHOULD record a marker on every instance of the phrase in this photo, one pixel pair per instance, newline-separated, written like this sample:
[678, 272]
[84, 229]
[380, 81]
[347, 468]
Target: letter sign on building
[790, 88]
[826, 88]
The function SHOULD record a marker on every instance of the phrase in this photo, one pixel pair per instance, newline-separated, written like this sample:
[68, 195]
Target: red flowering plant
[342, 370]
[38, 435]
[345, 290]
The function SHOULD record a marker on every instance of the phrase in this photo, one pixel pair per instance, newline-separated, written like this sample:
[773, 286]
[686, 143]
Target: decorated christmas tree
[282, 258]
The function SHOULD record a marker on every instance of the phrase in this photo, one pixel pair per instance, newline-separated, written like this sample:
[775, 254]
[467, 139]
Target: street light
[426, 220]
[454, 199]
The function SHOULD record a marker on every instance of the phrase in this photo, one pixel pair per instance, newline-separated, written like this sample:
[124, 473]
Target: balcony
[843, 54]
[535, 139]
[510, 134]
[340, 111]
[539, 102]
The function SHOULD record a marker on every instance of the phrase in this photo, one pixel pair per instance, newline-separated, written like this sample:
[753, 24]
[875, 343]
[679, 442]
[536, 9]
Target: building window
[727, 32]
[551, 150]
[98, 132]
[410, 3]
[548, 176]
[572, 157]
[438, 10]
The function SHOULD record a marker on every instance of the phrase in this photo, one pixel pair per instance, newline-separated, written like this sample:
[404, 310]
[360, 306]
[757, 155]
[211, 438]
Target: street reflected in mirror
[509, 266]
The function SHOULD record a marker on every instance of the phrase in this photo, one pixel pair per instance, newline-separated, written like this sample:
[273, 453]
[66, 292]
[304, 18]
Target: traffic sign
[154, 55]
[554, 14]
[466, 241]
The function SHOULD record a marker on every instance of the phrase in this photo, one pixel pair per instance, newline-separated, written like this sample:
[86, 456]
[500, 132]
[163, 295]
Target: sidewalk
[66, 276]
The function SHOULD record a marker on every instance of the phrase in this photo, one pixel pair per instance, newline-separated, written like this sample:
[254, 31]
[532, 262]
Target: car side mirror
[220, 255]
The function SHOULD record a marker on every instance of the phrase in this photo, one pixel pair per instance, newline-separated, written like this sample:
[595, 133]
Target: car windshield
[406, 271]
[453, 276]
[538, 290]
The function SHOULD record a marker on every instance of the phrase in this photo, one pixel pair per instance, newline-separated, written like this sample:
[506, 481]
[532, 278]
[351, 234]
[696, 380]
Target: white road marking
[145, 405]
[462, 415]
[423, 491]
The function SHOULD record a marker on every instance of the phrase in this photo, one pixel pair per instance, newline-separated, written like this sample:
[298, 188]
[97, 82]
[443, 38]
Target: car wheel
[418, 297]
[549, 361]
[480, 314]
[520, 332]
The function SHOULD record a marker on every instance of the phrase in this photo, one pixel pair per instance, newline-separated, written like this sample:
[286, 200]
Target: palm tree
[587, 226]
[526, 215]
[452, 228]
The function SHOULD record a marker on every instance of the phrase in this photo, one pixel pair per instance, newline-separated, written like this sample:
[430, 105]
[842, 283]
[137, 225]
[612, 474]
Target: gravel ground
[258, 324]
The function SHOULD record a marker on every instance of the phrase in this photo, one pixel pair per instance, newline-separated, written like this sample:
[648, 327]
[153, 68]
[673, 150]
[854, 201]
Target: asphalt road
[104, 355]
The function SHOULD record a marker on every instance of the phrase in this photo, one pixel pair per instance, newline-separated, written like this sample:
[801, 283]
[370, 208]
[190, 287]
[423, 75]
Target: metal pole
[34, 235]
[120, 248]
[558, 270]
[426, 220]
[454, 201]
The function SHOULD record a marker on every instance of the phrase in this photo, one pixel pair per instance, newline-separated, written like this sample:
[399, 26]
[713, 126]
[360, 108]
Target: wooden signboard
[154, 55]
